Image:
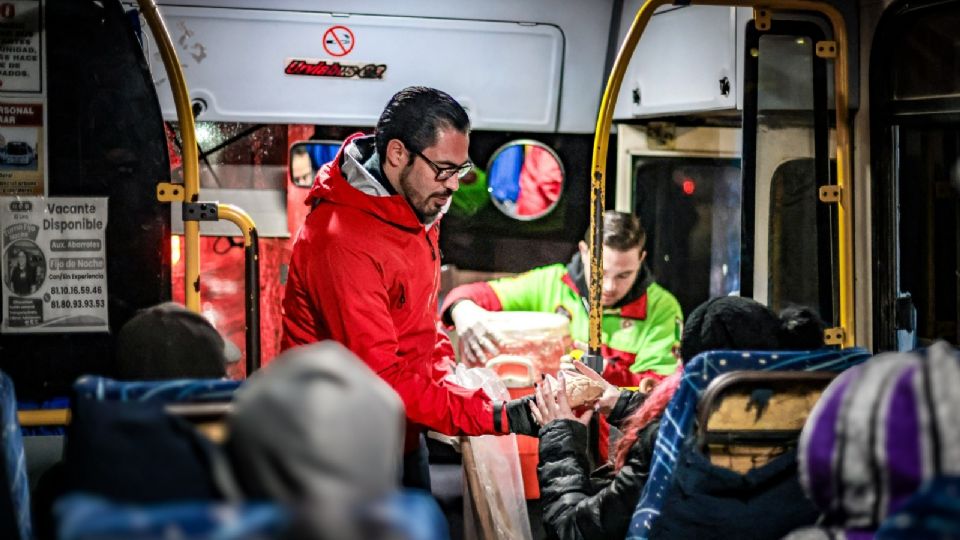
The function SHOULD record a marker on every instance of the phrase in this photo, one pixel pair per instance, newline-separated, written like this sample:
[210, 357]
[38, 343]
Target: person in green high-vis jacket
[642, 321]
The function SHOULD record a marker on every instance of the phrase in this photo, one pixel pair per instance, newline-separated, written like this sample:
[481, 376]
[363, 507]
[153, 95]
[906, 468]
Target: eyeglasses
[444, 173]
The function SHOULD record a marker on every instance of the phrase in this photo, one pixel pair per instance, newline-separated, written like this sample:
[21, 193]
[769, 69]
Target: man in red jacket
[365, 269]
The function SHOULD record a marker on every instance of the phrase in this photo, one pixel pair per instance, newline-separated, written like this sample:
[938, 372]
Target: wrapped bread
[581, 390]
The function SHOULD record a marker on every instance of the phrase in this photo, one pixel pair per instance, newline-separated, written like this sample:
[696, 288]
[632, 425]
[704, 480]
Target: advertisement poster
[22, 99]
[54, 269]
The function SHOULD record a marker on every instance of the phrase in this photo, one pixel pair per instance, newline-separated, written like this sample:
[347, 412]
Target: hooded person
[580, 505]
[882, 433]
[318, 431]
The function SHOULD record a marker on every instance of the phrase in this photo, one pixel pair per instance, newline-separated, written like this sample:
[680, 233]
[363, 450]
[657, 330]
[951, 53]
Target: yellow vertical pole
[191, 163]
[601, 140]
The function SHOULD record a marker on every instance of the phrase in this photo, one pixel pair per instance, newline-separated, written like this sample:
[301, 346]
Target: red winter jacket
[365, 272]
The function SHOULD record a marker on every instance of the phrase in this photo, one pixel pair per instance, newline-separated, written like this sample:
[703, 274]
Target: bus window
[929, 220]
[786, 161]
[927, 58]
[245, 165]
[690, 208]
[792, 249]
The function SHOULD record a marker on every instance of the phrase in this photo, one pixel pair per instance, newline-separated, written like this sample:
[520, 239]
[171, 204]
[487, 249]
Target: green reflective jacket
[644, 332]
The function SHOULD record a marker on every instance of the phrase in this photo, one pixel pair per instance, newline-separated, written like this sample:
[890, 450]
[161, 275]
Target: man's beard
[424, 213]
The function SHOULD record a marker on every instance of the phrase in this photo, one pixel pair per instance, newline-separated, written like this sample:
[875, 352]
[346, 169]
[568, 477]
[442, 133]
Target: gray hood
[316, 424]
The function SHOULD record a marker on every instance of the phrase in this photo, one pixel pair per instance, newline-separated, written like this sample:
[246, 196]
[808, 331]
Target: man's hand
[479, 342]
[520, 419]
[551, 404]
[610, 392]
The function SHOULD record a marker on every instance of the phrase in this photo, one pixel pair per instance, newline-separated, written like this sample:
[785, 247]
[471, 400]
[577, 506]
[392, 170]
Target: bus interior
[722, 137]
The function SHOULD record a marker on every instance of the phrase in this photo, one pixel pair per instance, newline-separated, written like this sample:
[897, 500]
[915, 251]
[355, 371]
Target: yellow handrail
[191, 163]
[44, 417]
[844, 178]
[239, 217]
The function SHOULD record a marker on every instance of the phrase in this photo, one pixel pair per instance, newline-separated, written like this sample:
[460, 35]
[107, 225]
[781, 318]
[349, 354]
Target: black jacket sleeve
[628, 402]
[574, 508]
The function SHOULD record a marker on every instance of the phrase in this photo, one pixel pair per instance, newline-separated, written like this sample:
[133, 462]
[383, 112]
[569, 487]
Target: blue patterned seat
[15, 500]
[405, 515]
[87, 517]
[678, 417]
[173, 391]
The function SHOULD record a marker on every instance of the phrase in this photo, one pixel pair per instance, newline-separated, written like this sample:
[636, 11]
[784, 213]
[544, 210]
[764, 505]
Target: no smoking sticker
[338, 40]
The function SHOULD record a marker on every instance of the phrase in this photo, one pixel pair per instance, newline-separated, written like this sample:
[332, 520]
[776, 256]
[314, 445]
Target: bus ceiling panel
[317, 68]
[584, 25]
[685, 62]
[689, 60]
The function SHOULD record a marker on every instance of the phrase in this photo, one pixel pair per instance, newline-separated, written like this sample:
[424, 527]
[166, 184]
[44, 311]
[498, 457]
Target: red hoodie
[365, 272]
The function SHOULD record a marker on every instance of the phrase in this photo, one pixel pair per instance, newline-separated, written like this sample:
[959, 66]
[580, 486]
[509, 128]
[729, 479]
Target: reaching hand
[479, 342]
[551, 404]
[610, 392]
[646, 385]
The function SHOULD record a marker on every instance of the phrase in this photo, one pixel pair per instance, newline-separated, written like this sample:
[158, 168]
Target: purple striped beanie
[878, 432]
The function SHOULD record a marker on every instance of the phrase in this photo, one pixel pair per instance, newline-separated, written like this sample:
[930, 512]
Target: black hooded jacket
[580, 505]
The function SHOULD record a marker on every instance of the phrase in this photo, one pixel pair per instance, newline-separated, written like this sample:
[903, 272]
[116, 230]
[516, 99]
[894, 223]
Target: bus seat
[170, 391]
[745, 418]
[204, 402]
[15, 499]
[123, 433]
[87, 517]
[678, 418]
[405, 515]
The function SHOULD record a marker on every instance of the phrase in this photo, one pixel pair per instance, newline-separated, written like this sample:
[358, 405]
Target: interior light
[204, 133]
[801, 41]
[174, 249]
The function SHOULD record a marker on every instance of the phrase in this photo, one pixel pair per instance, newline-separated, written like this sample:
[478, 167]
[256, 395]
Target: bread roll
[581, 390]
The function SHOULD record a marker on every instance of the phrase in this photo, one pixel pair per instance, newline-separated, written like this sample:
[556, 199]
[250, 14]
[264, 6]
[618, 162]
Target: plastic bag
[492, 470]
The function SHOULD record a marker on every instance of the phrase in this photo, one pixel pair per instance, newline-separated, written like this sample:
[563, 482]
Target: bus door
[915, 161]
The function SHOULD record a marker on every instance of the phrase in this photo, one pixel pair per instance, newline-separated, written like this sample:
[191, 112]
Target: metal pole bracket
[830, 194]
[827, 49]
[833, 336]
[201, 211]
[170, 192]
[761, 18]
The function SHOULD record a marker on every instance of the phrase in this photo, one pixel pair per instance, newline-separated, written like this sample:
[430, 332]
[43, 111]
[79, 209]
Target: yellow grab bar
[844, 175]
[44, 417]
[191, 163]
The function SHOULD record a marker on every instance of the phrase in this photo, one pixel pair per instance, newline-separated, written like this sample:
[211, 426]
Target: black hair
[621, 231]
[801, 328]
[299, 150]
[415, 114]
[736, 323]
[729, 322]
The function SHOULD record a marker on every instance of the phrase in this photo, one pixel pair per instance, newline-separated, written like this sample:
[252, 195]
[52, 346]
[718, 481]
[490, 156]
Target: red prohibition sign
[338, 40]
